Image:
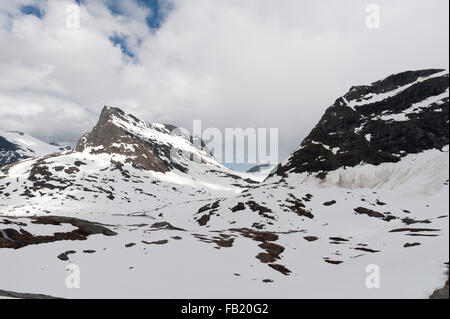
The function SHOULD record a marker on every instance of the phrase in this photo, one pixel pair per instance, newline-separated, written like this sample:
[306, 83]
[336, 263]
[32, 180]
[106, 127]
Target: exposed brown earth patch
[212, 208]
[9, 222]
[368, 250]
[205, 208]
[261, 210]
[273, 252]
[414, 230]
[65, 256]
[261, 236]
[407, 245]
[333, 262]
[18, 239]
[372, 213]
[409, 221]
[266, 258]
[222, 241]
[238, 207]
[280, 268]
[258, 226]
[158, 242]
[165, 225]
[338, 239]
[298, 207]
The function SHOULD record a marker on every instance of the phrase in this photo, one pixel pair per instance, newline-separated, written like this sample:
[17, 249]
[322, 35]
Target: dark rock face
[403, 114]
[8, 152]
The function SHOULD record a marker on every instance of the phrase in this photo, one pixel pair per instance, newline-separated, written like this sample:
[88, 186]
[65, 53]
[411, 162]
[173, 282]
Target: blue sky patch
[121, 41]
[114, 7]
[159, 10]
[32, 10]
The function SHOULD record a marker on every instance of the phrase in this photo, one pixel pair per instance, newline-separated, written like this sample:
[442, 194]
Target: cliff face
[405, 113]
[108, 137]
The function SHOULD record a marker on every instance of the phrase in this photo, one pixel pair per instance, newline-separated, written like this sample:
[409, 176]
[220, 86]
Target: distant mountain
[16, 146]
[61, 146]
[259, 168]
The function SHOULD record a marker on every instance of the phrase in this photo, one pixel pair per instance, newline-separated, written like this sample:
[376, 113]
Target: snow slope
[327, 255]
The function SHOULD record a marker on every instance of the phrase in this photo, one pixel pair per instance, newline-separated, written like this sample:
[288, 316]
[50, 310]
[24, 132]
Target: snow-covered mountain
[144, 212]
[406, 113]
[16, 146]
[155, 147]
[121, 163]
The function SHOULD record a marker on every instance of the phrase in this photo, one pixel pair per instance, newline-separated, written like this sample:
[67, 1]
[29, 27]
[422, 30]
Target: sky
[234, 63]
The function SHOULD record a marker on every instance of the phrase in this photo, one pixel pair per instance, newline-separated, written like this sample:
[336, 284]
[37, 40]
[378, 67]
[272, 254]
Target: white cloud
[251, 63]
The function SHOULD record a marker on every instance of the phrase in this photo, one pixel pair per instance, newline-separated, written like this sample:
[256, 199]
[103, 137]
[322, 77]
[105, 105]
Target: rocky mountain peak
[146, 145]
[403, 114]
[389, 84]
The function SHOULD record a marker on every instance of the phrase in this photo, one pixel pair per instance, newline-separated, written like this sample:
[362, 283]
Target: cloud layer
[251, 63]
